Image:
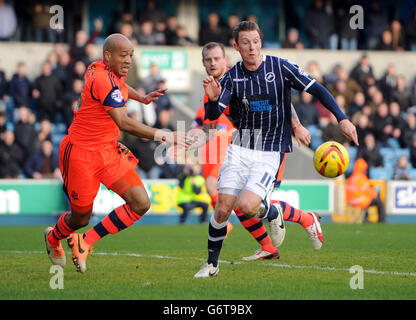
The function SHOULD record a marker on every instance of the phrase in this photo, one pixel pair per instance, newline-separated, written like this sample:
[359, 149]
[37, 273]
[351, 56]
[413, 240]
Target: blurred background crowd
[35, 114]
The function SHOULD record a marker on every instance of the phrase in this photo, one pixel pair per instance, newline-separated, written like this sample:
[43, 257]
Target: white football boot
[277, 226]
[262, 254]
[55, 254]
[207, 270]
[315, 232]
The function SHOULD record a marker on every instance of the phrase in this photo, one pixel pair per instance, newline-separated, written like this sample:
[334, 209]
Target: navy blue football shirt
[260, 102]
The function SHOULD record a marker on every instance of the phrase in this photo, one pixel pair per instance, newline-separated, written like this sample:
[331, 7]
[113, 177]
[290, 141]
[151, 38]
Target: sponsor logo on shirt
[116, 96]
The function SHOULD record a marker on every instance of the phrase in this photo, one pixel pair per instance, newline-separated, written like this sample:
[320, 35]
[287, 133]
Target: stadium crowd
[34, 115]
[326, 25]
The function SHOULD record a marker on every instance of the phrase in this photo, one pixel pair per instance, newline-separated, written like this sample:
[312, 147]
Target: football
[331, 159]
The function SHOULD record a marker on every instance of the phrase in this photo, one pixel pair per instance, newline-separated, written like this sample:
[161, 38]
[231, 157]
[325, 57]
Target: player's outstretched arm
[152, 96]
[321, 93]
[138, 129]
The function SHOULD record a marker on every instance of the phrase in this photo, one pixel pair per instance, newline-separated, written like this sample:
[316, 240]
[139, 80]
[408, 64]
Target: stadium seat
[402, 152]
[381, 173]
[352, 151]
[389, 157]
[316, 136]
[10, 126]
[393, 143]
[413, 173]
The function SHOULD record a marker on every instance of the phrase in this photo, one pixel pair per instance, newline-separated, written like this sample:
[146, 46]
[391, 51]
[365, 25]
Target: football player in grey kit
[258, 92]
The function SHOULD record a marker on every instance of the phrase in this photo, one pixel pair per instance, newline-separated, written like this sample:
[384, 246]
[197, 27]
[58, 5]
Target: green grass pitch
[158, 262]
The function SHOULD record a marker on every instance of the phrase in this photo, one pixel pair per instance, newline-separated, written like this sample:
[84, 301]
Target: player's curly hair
[246, 26]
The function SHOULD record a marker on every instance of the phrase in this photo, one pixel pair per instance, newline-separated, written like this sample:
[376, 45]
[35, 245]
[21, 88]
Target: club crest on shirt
[116, 96]
[269, 77]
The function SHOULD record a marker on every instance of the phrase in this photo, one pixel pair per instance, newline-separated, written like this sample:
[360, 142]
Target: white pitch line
[276, 265]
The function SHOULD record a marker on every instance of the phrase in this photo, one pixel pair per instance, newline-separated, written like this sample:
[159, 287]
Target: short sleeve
[106, 91]
[295, 76]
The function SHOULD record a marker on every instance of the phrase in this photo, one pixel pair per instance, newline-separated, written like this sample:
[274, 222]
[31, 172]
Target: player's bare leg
[253, 206]
[131, 189]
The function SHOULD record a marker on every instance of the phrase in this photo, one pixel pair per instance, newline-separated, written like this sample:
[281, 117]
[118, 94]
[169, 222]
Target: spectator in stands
[306, 110]
[126, 29]
[151, 12]
[363, 69]
[53, 60]
[410, 130]
[398, 39]
[252, 18]
[44, 163]
[386, 43]
[401, 169]
[351, 86]
[170, 32]
[151, 81]
[146, 36]
[8, 21]
[44, 133]
[413, 152]
[182, 38]
[25, 132]
[376, 99]
[357, 105]
[360, 193]
[333, 132]
[232, 22]
[41, 28]
[377, 23]
[68, 100]
[20, 86]
[314, 71]
[398, 123]
[411, 32]
[77, 49]
[78, 72]
[160, 33]
[332, 77]
[132, 78]
[47, 92]
[370, 152]
[140, 112]
[190, 184]
[212, 32]
[3, 86]
[362, 123]
[3, 122]
[402, 94]
[382, 124]
[164, 108]
[90, 53]
[64, 70]
[11, 156]
[347, 35]
[292, 40]
[319, 25]
[143, 149]
[388, 82]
